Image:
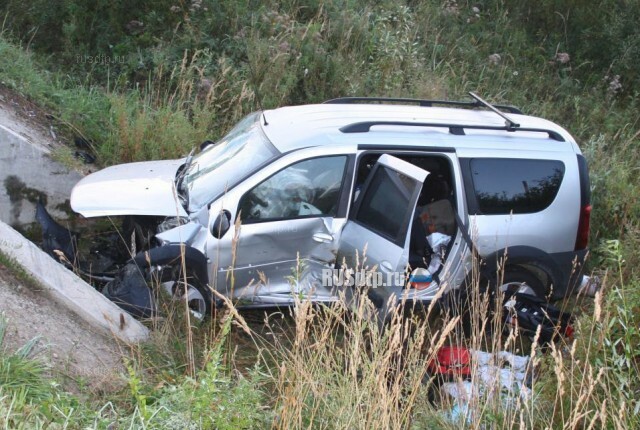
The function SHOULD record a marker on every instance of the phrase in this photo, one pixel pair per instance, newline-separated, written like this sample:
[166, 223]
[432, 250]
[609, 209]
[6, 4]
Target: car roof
[296, 127]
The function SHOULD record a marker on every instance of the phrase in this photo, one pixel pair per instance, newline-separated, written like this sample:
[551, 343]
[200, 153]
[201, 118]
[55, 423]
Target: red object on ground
[452, 361]
[568, 332]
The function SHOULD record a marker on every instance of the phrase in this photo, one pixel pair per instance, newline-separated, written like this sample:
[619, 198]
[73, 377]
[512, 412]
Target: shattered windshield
[222, 165]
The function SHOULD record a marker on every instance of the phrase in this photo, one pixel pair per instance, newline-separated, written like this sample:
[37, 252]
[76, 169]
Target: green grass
[28, 397]
[19, 375]
[191, 73]
[18, 271]
[31, 398]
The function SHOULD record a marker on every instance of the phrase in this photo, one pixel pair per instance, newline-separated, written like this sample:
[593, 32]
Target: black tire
[520, 280]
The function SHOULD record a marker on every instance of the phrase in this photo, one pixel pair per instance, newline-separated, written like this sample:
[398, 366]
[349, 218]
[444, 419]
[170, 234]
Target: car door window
[307, 188]
[385, 205]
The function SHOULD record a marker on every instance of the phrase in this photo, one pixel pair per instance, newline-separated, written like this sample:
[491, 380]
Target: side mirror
[204, 144]
[221, 224]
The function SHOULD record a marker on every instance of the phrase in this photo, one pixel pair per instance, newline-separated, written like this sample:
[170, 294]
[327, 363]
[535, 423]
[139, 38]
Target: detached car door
[376, 235]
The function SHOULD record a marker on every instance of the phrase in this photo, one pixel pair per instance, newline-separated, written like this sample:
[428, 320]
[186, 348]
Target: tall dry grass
[333, 366]
[174, 110]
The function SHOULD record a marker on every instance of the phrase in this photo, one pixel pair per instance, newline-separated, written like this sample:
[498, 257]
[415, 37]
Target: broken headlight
[171, 223]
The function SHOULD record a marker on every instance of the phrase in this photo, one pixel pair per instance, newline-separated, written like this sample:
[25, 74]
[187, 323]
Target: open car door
[376, 238]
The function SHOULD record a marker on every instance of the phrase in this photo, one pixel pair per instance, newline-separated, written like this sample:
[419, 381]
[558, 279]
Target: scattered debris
[530, 313]
[488, 376]
[589, 286]
[494, 59]
[562, 57]
[86, 150]
[84, 157]
[451, 362]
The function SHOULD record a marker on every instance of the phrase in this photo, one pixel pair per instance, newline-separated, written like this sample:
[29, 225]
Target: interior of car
[434, 218]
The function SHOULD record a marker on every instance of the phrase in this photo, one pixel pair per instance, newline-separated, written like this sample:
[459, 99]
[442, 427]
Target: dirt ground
[71, 349]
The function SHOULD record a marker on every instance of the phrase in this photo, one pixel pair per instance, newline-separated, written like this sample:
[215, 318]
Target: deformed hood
[146, 188]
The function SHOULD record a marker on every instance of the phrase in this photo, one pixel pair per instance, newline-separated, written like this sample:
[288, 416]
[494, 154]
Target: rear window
[504, 185]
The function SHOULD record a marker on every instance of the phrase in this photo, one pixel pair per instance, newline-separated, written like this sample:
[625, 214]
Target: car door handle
[322, 237]
[386, 266]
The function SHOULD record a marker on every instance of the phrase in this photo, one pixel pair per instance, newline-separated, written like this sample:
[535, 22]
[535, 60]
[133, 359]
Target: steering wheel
[331, 188]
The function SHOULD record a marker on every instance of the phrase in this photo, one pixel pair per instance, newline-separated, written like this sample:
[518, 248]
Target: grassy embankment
[179, 73]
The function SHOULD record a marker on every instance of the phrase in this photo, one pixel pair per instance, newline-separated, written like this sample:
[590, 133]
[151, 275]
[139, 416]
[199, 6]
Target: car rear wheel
[516, 280]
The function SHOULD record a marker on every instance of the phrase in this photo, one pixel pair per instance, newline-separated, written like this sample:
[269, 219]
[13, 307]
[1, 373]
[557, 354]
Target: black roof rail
[457, 129]
[421, 102]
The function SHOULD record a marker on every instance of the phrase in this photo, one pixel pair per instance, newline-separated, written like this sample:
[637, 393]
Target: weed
[19, 272]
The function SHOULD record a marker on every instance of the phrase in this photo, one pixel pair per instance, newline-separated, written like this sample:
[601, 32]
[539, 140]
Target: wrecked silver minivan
[291, 197]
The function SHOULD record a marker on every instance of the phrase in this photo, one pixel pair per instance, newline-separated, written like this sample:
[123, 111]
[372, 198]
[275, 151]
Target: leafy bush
[602, 40]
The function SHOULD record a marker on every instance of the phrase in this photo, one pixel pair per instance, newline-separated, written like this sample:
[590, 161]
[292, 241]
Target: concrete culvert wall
[68, 290]
[28, 175]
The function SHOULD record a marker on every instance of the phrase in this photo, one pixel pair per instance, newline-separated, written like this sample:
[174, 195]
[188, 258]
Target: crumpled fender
[172, 255]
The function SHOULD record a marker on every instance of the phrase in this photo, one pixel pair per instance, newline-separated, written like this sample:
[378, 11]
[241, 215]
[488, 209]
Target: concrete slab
[69, 290]
[28, 174]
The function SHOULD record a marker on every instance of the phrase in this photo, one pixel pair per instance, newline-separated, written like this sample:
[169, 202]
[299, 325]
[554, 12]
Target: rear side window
[504, 185]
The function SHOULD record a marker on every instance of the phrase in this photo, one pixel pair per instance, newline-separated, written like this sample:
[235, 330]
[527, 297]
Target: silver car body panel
[292, 127]
[546, 230]
[257, 260]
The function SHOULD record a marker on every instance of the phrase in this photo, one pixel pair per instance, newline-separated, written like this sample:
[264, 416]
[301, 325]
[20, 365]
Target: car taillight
[582, 239]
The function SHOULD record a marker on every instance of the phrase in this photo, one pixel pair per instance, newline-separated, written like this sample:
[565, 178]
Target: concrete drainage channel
[69, 290]
[28, 175]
